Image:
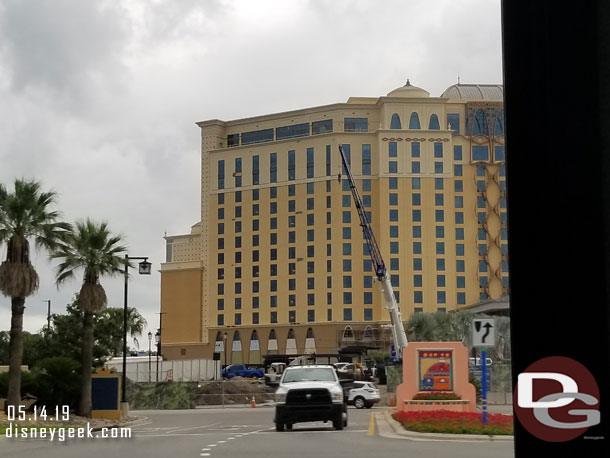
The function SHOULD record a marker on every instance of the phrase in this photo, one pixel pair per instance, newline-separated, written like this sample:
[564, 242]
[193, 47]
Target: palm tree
[92, 248]
[25, 215]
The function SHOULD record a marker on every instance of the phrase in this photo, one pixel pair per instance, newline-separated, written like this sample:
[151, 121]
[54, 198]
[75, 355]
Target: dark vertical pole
[124, 377]
[149, 359]
[484, 384]
[49, 316]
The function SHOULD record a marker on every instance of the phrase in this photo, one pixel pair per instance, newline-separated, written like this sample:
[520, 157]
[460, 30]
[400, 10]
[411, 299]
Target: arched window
[414, 121]
[219, 337]
[348, 333]
[254, 335]
[480, 124]
[309, 334]
[290, 334]
[499, 128]
[272, 335]
[395, 123]
[368, 333]
[236, 337]
[434, 125]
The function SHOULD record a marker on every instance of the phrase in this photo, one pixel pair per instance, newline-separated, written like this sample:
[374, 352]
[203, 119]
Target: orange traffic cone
[392, 401]
[253, 402]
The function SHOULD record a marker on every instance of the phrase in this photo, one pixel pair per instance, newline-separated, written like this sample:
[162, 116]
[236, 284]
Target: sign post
[483, 335]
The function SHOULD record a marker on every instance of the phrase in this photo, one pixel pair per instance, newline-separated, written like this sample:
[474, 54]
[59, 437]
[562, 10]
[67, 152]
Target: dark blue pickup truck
[240, 370]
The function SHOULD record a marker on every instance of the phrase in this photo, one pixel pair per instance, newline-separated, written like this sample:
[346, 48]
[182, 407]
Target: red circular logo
[557, 418]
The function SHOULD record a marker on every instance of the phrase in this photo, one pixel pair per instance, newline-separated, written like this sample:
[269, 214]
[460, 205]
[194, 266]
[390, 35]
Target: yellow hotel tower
[277, 263]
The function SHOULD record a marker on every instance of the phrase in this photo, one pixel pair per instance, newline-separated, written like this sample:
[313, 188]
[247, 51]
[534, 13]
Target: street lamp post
[149, 353]
[158, 341]
[225, 347]
[144, 268]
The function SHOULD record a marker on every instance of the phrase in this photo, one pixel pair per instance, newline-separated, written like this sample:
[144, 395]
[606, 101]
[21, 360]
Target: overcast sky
[99, 99]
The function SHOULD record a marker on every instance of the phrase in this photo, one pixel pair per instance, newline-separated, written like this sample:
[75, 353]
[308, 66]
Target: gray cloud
[99, 99]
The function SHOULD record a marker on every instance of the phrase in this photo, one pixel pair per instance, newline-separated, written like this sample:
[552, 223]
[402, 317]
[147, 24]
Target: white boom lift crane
[398, 331]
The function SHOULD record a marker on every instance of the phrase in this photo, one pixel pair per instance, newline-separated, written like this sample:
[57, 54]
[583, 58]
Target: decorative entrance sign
[435, 370]
[105, 395]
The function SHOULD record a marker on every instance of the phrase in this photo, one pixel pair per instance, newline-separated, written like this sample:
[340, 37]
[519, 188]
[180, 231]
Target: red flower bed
[436, 396]
[444, 421]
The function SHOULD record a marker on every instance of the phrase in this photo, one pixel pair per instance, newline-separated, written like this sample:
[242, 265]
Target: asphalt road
[247, 433]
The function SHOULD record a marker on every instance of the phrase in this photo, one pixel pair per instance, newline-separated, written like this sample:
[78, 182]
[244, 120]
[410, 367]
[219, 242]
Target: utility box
[105, 397]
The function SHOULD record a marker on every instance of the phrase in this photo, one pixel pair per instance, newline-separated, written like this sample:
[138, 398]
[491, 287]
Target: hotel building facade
[277, 263]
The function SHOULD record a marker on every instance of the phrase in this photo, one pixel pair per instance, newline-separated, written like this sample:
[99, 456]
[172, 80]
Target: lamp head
[144, 267]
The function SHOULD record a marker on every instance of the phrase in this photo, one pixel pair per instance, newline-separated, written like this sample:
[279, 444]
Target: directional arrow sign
[483, 333]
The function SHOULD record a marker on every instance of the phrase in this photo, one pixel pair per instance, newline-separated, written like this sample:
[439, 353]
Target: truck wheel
[279, 427]
[338, 423]
[359, 402]
[289, 426]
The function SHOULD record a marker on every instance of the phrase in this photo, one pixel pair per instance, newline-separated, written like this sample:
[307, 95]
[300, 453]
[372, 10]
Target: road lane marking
[206, 449]
[371, 431]
[204, 454]
[212, 445]
[222, 442]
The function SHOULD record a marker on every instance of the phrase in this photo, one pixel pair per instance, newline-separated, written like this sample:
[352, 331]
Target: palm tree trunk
[15, 352]
[85, 399]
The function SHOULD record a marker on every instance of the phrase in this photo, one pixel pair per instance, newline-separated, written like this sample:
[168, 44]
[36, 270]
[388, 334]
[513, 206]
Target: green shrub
[28, 383]
[162, 395]
[58, 382]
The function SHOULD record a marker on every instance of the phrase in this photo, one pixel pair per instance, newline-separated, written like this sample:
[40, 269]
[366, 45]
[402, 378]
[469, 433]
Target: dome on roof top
[475, 91]
[409, 91]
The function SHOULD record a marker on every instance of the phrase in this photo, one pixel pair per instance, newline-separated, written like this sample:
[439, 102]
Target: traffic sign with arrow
[483, 333]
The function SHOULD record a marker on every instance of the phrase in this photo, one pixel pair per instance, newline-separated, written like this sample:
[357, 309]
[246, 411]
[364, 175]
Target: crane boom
[398, 331]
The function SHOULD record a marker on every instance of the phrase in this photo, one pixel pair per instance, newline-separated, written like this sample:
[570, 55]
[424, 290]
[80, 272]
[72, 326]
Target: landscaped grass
[444, 421]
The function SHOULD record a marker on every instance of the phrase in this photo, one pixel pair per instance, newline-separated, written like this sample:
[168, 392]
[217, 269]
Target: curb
[137, 421]
[398, 432]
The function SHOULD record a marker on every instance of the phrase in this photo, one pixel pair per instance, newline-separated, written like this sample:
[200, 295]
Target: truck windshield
[309, 375]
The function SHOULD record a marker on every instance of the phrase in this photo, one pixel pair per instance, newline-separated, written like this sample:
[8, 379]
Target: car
[309, 393]
[363, 394]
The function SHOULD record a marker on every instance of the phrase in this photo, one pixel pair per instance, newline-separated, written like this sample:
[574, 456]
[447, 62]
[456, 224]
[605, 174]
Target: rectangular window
[417, 264]
[415, 167]
[221, 304]
[221, 228]
[417, 281]
[415, 199]
[237, 173]
[310, 187]
[393, 215]
[291, 165]
[440, 264]
[393, 149]
[221, 319]
[459, 233]
[393, 198]
[232, 140]
[366, 159]
[328, 162]
[457, 170]
[416, 247]
[440, 247]
[461, 298]
[438, 184]
[238, 303]
[480, 153]
[273, 168]
[416, 216]
[438, 167]
[255, 173]
[459, 249]
[368, 314]
[439, 216]
[418, 298]
[296, 130]
[439, 200]
[310, 163]
[273, 223]
[393, 247]
[415, 149]
[273, 317]
[368, 281]
[346, 202]
[415, 183]
[356, 125]
[457, 153]
[440, 297]
[321, 127]
[257, 136]
[291, 205]
[394, 231]
[310, 251]
[255, 318]
[273, 208]
[499, 153]
[438, 150]
[347, 314]
[416, 232]
[393, 167]
[458, 186]
[347, 281]
[453, 123]
[440, 281]
[460, 265]
[221, 174]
